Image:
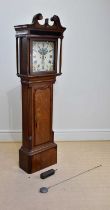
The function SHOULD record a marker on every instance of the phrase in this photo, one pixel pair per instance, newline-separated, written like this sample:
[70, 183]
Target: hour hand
[40, 51]
[45, 51]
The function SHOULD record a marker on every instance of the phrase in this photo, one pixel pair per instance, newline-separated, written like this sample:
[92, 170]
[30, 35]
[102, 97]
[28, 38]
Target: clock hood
[36, 28]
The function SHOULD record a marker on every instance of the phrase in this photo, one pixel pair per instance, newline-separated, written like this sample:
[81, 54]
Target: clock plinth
[37, 54]
[39, 158]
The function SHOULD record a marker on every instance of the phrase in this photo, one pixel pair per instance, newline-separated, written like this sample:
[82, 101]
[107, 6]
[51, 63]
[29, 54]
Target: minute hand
[42, 59]
[50, 50]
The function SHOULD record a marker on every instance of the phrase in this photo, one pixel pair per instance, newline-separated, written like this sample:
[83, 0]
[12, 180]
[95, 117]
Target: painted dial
[42, 56]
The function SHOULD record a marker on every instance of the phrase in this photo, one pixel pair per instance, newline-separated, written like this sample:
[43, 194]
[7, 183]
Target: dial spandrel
[42, 56]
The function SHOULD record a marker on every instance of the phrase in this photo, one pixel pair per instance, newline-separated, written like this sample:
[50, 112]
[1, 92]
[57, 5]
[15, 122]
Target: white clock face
[42, 56]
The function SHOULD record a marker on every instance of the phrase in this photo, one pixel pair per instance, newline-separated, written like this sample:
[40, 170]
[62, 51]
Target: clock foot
[39, 158]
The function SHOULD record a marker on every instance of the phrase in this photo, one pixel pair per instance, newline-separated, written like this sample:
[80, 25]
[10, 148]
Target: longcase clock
[39, 58]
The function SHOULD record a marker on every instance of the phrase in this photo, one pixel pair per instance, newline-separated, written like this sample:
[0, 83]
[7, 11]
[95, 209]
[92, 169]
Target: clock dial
[42, 56]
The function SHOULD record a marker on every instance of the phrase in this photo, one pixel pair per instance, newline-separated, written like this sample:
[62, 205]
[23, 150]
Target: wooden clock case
[38, 148]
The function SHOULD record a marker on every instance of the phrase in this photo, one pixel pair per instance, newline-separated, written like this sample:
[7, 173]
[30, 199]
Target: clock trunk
[38, 148]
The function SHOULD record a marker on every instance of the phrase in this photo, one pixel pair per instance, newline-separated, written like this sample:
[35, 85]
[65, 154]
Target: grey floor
[90, 191]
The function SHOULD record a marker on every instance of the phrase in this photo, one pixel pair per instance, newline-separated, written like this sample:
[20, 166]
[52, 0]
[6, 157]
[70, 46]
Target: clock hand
[50, 50]
[45, 51]
[40, 51]
[42, 58]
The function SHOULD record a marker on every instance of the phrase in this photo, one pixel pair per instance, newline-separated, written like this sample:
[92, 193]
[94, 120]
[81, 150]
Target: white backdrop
[82, 93]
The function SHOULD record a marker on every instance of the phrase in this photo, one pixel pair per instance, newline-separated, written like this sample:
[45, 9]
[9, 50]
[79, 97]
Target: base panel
[37, 159]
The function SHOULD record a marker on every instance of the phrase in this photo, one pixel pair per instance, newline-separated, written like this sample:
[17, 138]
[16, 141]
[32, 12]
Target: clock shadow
[15, 113]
